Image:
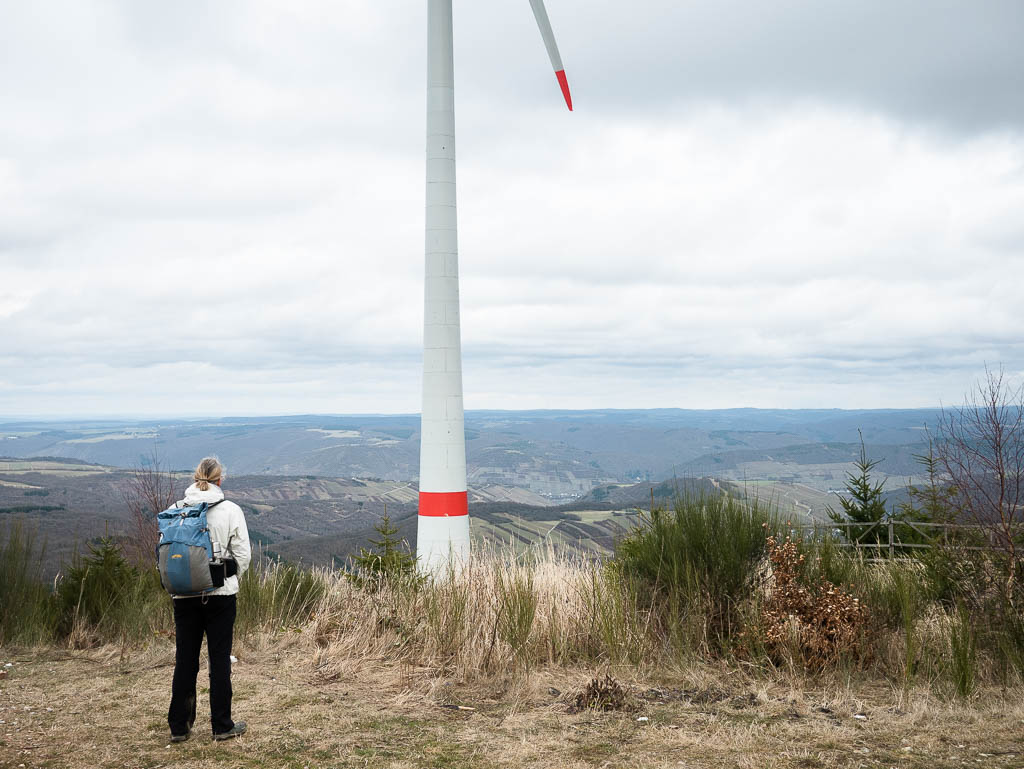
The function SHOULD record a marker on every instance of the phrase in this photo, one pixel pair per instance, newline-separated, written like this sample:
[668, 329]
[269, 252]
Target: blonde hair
[208, 471]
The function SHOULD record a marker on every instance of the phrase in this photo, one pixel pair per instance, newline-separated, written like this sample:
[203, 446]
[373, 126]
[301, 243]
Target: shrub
[104, 598]
[881, 585]
[981, 451]
[705, 554]
[952, 573]
[822, 621]
[1010, 641]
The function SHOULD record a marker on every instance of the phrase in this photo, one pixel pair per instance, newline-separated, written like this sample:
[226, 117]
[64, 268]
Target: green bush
[705, 554]
[953, 574]
[615, 627]
[1010, 641]
[104, 598]
[825, 559]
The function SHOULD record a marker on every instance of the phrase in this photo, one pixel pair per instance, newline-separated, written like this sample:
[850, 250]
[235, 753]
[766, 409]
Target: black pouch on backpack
[221, 571]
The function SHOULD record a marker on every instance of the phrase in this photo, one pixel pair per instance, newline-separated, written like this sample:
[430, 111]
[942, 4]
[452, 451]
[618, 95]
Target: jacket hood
[193, 496]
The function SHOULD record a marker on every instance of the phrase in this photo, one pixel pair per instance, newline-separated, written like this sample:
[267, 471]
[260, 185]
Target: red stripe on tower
[564, 82]
[440, 504]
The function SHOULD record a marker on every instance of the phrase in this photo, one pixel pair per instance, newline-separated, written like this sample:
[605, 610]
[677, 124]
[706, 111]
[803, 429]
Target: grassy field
[54, 468]
[305, 709]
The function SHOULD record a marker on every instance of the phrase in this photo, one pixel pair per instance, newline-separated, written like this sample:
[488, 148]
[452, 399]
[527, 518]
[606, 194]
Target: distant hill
[640, 495]
[70, 502]
[530, 473]
[559, 455]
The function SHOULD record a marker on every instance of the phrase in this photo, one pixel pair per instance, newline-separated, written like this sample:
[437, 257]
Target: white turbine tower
[443, 528]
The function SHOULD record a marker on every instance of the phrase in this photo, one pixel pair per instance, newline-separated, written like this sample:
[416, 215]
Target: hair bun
[209, 470]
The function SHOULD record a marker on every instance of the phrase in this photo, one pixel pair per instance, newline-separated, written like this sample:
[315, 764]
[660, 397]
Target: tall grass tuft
[448, 604]
[908, 584]
[616, 617]
[516, 609]
[277, 596]
[963, 659]
[28, 613]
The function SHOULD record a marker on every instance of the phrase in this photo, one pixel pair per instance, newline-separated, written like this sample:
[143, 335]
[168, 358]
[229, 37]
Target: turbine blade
[541, 14]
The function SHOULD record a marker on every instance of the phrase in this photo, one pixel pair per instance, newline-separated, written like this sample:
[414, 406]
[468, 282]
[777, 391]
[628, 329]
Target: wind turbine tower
[443, 523]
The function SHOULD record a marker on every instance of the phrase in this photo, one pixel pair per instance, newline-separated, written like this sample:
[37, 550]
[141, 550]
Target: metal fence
[897, 537]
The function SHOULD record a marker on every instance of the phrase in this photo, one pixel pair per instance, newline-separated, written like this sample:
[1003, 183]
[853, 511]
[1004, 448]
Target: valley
[313, 487]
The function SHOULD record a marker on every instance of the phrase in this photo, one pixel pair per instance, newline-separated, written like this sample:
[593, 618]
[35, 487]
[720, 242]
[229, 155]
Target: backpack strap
[181, 503]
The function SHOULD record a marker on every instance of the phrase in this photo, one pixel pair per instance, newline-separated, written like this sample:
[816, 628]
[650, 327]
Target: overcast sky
[214, 208]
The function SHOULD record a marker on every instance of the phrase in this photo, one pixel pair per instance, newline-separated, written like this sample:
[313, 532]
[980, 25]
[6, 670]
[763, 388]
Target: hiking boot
[234, 731]
[180, 737]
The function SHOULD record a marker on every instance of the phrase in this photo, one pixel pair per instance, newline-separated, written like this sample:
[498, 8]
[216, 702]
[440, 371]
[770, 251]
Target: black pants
[215, 616]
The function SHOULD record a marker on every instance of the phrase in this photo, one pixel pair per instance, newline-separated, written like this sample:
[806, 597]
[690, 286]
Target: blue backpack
[185, 550]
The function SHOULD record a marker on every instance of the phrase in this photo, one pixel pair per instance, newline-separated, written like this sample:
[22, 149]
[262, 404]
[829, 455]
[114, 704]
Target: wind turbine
[443, 521]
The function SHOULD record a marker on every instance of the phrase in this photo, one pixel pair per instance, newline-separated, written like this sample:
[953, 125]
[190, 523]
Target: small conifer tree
[97, 586]
[930, 502]
[390, 556]
[864, 503]
[933, 501]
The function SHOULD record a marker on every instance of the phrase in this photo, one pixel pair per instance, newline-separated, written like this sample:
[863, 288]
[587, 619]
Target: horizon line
[7, 419]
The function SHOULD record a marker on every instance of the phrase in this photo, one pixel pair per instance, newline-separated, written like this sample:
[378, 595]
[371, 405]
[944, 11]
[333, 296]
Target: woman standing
[212, 614]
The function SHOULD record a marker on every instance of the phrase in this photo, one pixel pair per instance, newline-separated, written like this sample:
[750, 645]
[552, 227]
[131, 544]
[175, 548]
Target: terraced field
[593, 532]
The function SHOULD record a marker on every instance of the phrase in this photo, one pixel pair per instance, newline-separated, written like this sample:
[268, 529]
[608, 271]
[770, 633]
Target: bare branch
[149, 490]
[981, 449]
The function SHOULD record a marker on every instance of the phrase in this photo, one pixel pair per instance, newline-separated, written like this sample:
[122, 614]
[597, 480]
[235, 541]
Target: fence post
[891, 544]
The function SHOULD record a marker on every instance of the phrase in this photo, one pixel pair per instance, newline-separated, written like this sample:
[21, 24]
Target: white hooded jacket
[227, 526]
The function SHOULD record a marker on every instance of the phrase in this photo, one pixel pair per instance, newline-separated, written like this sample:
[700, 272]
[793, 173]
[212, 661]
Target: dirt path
[90, 710]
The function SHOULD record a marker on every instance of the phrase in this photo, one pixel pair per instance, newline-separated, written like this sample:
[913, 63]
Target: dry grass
[484, 670]
[313, 709]
[498, 615]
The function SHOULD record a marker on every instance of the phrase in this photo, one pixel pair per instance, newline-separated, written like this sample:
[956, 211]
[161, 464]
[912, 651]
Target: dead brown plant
[823, 621]
[603, 694]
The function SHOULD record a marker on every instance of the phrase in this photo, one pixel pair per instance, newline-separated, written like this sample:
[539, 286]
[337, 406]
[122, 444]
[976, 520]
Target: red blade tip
[562, 81]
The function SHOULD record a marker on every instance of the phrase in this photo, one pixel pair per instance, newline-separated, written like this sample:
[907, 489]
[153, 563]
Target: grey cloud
[324, 72]
[745, 210]
[956, 64]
